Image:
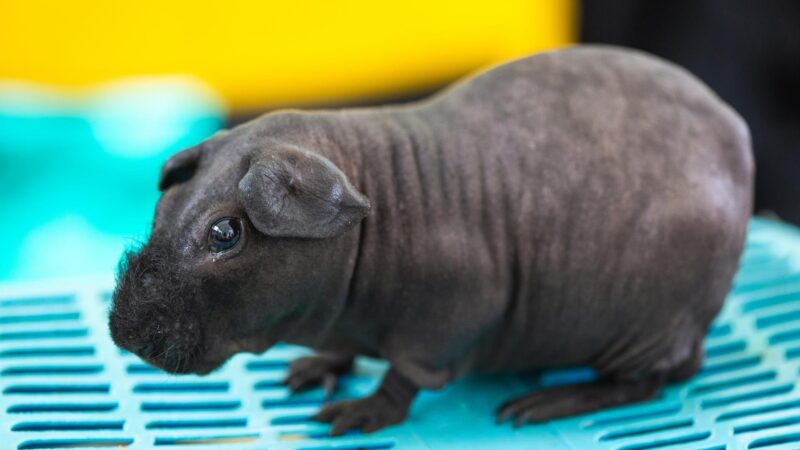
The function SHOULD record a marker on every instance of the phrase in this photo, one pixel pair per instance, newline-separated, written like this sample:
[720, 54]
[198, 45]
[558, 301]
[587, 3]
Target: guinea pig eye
[224, 234]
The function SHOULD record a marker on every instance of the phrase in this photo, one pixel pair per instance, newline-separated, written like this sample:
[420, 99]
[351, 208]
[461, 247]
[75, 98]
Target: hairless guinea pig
[579, 207]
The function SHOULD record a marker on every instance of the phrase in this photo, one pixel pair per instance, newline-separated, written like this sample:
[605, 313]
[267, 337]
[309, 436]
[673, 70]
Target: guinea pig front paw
[368, 414]
[319, 370]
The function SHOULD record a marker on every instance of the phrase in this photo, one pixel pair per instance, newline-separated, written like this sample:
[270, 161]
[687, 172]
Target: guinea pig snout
[155, 312]
[171, 344]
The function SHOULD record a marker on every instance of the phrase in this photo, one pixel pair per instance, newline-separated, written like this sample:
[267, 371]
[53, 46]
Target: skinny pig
[579, 207]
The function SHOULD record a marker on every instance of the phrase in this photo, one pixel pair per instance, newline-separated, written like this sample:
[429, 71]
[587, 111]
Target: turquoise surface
[65, 385]
[78, 173]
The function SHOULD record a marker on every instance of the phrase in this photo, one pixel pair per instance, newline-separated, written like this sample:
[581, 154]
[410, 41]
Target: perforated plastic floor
[65, 385]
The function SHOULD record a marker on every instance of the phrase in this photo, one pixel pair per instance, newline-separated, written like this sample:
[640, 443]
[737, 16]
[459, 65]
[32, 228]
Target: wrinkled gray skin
[585, 206]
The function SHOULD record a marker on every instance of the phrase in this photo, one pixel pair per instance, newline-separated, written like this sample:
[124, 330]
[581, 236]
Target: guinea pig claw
[503, 414]
[320, 370]
[329, 382]
[368, 414]
[327, 413]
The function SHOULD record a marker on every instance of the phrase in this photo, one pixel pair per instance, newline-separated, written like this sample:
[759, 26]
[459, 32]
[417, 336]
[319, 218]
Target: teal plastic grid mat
[65, 385]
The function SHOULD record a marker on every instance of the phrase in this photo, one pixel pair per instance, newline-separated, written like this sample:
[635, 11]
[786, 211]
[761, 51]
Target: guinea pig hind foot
[564, 401]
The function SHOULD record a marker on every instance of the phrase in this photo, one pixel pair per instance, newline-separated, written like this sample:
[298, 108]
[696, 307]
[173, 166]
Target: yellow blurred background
[265, 54]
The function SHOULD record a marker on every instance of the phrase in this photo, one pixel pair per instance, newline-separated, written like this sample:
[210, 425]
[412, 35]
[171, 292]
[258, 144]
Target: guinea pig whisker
[178, 364]
[160, 354]
[168, 350]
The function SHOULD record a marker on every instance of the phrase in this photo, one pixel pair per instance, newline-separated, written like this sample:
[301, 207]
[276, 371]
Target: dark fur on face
[154, 314]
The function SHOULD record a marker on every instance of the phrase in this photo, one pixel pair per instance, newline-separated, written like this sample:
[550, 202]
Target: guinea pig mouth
[200, 362]
[187, 364]
[171, 360]
[174, 352]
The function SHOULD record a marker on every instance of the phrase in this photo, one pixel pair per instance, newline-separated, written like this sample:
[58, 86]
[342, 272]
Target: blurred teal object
[78, 174]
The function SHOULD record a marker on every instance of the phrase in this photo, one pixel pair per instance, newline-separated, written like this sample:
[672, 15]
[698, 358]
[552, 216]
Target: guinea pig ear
[179, 167]
[296, 193]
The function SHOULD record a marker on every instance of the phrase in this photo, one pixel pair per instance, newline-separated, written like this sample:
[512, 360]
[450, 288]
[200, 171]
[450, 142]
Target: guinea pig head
[250, 245]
